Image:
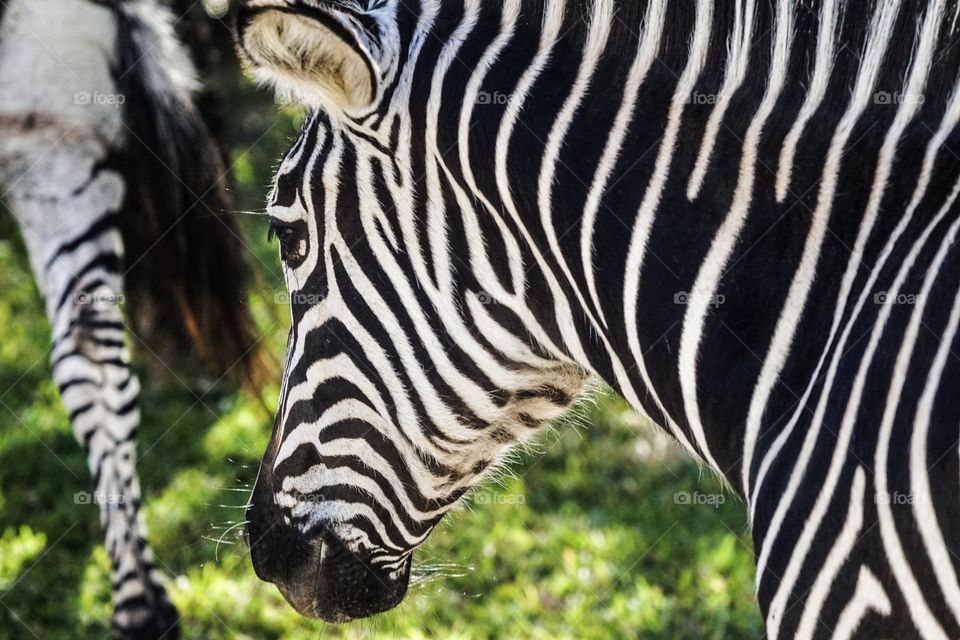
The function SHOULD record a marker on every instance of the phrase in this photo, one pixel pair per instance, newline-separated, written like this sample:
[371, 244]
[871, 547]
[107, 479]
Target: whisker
[216, 551]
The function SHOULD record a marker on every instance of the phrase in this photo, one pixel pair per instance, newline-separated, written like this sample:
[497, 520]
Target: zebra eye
[292, 237]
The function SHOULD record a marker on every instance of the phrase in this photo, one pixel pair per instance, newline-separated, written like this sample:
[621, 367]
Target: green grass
[586, 536]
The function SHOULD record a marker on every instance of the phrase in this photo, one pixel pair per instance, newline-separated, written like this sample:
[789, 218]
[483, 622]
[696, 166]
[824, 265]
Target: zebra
[740, 214]
[117, 183]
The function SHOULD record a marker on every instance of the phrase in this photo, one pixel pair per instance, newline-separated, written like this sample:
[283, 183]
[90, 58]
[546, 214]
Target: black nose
[316, 573]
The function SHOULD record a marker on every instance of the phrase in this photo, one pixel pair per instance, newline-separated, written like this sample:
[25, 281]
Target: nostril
[299, 584]
[269, 541]
[320, 576]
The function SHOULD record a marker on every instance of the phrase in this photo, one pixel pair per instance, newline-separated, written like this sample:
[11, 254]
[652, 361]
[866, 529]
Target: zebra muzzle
[315, 571]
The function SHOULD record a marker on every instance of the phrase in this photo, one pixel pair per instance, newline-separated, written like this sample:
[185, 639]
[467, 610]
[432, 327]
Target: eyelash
[290, 236]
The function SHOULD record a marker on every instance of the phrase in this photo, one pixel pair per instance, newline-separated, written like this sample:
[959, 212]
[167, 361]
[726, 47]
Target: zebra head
[414, 363]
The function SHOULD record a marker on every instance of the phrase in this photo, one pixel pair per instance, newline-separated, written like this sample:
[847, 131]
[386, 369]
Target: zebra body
[96, 111]
[742, 215]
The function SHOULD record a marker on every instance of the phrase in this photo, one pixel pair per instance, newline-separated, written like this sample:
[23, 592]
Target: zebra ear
[318, 54]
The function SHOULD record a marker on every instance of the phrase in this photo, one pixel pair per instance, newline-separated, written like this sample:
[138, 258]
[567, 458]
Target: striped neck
[688, 197]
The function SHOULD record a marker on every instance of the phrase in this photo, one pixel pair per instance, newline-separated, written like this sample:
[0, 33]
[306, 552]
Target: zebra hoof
[142, 622]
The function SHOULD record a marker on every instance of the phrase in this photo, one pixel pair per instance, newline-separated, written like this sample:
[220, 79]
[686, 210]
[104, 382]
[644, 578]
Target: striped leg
[67, 203]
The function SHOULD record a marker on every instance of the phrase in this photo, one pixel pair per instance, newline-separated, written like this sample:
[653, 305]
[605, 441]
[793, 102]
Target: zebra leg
[69, 222]
[60, 170]
[92, 369]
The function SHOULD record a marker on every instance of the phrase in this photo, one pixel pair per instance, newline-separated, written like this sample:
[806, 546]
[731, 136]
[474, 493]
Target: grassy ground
[602, 531]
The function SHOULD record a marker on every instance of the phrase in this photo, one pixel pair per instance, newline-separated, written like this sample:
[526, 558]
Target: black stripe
[107, 222]
[109, 262]
[74, 382]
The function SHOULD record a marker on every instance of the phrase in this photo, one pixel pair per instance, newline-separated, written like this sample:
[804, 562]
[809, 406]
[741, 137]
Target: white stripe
[367, 201]
[343, 367]
[699, 48]
[339, 511]
[308, 435]
[646, 54]
[923, 618]
[479, 259]
[708, 279]
[437, 242]
[373, 353]
[839, 553]
[444, 297]
[793, 307]
[320, 476]
[293, 277]
[801, 548]
[826, 45]
[552, 24]
[869, 595]
[924, 513]
[414, 366]
[596, 42]
[950, 120]
[506, 342]
[738, 57]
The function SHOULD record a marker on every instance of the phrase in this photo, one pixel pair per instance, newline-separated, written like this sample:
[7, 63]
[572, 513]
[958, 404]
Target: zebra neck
[693, 201]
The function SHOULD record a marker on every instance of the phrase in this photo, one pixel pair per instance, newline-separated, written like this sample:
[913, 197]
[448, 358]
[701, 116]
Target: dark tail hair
[187, 276]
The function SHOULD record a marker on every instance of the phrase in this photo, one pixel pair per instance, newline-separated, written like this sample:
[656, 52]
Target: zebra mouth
[325, 580]
[338, 586]
[316, 572]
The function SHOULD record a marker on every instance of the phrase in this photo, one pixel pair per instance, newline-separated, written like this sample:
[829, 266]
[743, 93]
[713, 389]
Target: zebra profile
[741, 214]
[108, 166]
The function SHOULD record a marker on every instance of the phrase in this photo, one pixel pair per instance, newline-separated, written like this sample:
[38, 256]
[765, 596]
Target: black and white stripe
[740, 214]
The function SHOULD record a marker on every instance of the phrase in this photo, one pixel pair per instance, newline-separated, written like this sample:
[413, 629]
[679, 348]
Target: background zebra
[114, 177]
[741, 214]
